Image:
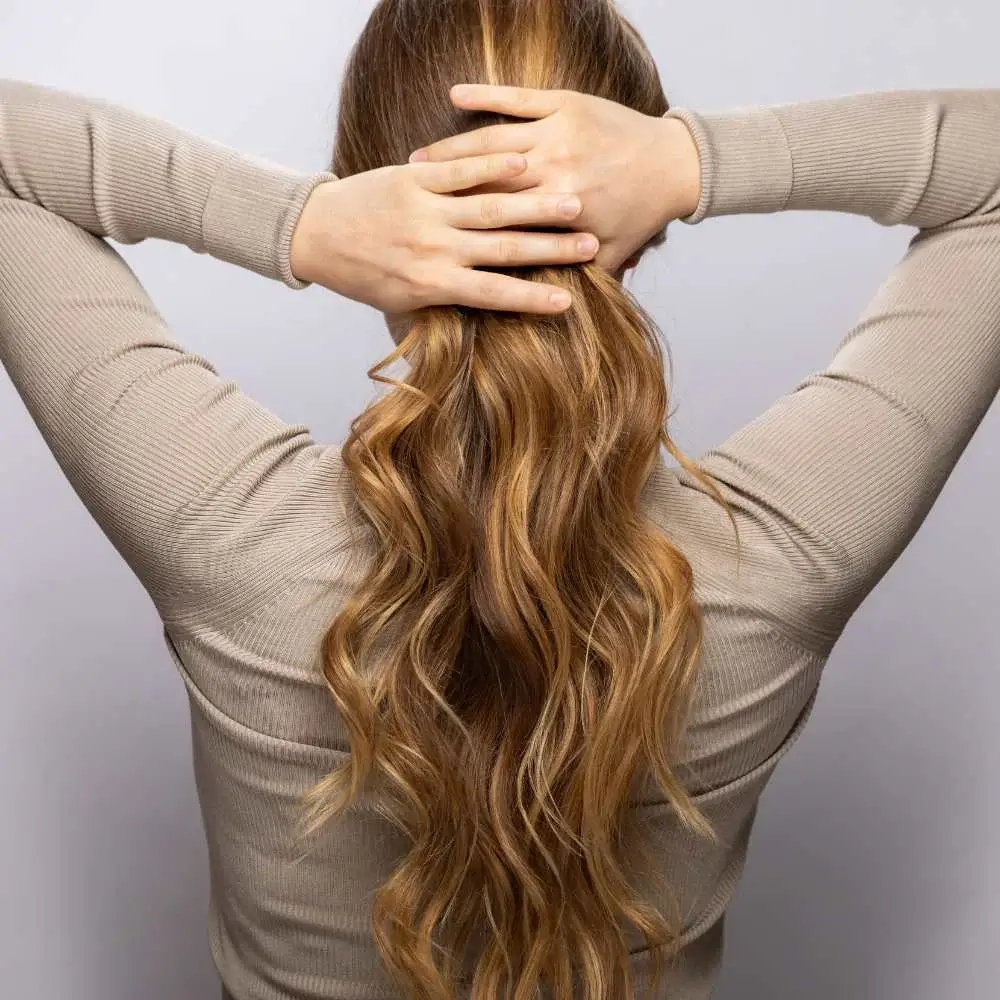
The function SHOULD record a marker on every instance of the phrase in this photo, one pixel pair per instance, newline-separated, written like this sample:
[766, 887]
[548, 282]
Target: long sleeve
[838, 475]
[145, 431]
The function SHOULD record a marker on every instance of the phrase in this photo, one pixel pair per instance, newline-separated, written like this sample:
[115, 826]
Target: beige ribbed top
[234, 521]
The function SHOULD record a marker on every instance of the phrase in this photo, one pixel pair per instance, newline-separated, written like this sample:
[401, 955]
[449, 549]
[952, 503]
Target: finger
[458, 175]
[513, 138]
[521, 102]
[501, 211]
[517, 249]
[521, 182]
[486, 290]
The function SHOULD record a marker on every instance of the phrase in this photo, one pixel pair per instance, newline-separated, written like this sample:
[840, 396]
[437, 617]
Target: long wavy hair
[526, 640]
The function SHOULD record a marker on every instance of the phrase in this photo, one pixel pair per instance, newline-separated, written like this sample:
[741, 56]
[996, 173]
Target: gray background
[873, 870]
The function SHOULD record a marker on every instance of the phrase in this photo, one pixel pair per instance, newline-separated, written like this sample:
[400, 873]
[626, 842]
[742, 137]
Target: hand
[399, 239]
[634, 173]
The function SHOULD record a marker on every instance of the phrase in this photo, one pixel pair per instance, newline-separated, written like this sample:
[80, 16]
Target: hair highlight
[526, 640]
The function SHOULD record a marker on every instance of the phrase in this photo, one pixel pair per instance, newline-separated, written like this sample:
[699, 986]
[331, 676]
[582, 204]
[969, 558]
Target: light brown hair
[537, 637]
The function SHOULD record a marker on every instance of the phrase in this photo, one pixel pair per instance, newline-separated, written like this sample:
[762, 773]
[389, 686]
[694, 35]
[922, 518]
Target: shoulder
[243, 551]
[796, 586]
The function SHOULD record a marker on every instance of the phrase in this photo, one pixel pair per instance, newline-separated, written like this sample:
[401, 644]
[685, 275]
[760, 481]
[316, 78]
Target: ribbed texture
[746, 165]
[237, 523]
[251, 212]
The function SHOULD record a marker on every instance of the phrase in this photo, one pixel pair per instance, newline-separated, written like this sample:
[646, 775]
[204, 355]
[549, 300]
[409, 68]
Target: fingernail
[561, 300]
[587, 244]
[460, 92]
[418, 156]
[515, 161]
[570, 207]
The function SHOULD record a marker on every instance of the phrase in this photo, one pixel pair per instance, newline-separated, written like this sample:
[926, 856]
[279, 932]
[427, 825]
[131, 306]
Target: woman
[486, 699]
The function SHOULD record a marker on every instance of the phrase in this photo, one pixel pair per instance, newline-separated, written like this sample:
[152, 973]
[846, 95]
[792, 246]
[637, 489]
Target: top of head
[395, 92]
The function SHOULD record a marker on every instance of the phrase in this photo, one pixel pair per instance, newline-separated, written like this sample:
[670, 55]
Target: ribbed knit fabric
[236, 522]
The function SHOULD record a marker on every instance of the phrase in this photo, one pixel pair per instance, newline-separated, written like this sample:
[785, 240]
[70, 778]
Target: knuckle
[415, 274]
[492, 211]
[416, 239]
[457, 173]
[486, 138]
[489, 287]
[408, 278]
[437, 241]
[508, 250]
[561, 151]
[429, 245]
[408, 238]
[421, 281]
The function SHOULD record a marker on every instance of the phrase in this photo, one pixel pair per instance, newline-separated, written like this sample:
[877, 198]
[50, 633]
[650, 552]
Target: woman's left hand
[398, 238]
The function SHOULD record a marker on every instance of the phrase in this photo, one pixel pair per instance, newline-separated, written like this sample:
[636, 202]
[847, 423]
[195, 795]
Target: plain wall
[873, 868]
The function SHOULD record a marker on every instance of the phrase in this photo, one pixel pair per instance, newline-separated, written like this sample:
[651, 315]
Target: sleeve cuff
[251, 212]
[746, 163]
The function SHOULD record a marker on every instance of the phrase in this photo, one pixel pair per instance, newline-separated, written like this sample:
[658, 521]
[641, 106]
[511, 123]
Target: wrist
[309, 236]
[680, 163]
[311, 230]
[299, 247]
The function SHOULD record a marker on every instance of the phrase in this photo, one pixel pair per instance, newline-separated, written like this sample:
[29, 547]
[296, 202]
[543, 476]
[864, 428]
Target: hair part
[525, 642]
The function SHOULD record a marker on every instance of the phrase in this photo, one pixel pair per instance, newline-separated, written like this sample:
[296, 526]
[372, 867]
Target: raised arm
[834, 479]
[145, 431]
[119, 174]
[839, 474]
[172, 460]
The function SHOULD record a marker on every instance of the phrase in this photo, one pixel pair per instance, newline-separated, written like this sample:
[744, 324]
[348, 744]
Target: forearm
[127, 176]
[840, 473]
[921, 158]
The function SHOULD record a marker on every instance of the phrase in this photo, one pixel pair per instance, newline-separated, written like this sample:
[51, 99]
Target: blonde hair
[537, 636]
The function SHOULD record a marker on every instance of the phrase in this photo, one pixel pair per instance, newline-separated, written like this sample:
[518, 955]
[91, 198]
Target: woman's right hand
[634, 173]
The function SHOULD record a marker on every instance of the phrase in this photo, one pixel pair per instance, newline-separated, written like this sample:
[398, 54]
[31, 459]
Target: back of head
[394, 96]
[536, 636]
